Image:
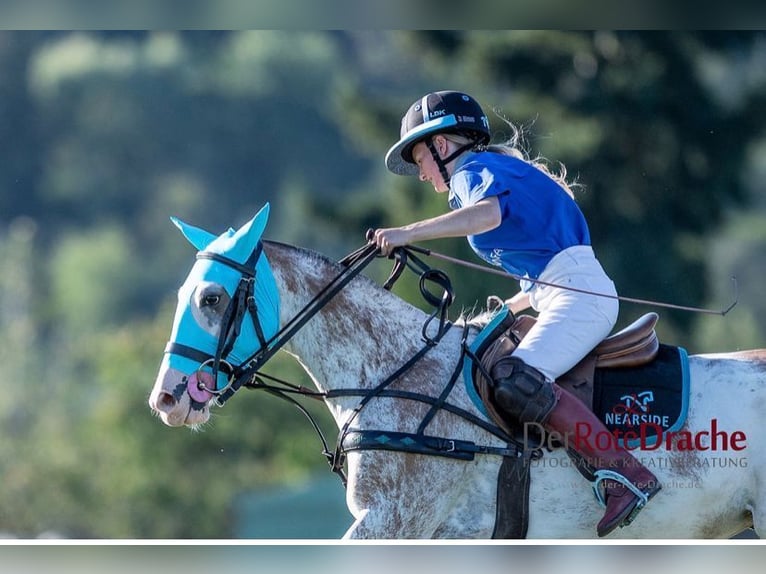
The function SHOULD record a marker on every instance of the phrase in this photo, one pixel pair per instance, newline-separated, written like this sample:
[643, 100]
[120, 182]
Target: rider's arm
[471, 220]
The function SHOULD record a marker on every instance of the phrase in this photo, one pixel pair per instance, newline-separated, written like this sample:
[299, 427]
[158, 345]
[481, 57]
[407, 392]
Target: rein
[419, 442]
[353, 265]
[248, 374]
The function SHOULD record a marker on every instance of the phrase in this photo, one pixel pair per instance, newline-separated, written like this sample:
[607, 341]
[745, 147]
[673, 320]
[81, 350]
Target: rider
[518, 215]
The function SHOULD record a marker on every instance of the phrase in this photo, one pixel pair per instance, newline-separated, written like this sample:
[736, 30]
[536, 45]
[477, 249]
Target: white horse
[365, 333]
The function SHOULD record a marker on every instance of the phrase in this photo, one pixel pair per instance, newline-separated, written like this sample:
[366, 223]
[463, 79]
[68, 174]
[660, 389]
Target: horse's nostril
[165, 401]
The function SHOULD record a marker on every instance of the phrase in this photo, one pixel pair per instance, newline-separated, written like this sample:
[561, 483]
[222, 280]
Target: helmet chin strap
[442, 163]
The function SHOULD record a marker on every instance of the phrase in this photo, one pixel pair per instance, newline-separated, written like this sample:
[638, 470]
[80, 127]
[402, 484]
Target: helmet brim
[399, 157]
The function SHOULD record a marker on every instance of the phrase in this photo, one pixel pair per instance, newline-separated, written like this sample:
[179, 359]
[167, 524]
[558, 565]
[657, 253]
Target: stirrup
[602, 475]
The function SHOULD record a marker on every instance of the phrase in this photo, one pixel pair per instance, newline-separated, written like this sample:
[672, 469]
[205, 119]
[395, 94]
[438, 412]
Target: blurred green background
[107, 134]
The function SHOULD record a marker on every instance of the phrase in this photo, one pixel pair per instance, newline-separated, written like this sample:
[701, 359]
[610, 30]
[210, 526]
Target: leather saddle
[635, 345]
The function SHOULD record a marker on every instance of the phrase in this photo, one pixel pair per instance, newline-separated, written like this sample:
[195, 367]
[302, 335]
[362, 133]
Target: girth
[422, 444]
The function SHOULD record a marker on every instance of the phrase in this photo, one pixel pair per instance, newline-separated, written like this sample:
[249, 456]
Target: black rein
[248, 374]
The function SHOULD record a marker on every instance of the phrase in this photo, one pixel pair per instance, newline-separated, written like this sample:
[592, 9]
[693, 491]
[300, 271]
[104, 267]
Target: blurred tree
[87, 459]
[131, 128]
[205, 126]
[738, 250]
[21, 126]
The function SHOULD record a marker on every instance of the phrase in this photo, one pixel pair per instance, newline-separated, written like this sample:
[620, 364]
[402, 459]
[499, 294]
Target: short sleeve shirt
[539, 218]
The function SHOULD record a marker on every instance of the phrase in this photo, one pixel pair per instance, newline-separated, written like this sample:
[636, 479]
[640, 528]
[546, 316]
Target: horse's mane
[476, 317]
[308, 253]
[473, 317]
[321, 259]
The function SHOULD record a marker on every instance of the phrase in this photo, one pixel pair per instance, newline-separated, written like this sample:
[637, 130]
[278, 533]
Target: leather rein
[248, 375]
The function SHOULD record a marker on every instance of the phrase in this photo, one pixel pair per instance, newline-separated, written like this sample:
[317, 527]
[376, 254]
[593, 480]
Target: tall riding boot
[572, 419]
[525, 396]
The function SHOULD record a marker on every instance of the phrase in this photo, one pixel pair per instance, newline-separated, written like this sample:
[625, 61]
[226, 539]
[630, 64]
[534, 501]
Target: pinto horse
[243, 293]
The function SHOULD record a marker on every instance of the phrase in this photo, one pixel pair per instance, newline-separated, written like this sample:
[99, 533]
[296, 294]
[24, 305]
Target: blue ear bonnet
[238, 246]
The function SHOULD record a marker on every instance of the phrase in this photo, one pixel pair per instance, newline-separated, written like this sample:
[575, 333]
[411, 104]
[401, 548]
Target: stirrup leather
[600, 490]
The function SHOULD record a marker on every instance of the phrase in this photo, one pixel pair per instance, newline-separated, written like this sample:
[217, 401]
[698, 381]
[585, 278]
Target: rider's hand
[387, 239]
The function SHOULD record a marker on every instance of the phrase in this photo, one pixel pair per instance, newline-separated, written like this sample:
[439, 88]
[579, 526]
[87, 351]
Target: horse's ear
[196, 236]
[246, 237]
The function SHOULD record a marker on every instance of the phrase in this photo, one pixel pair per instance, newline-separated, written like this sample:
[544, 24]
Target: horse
[362, 334]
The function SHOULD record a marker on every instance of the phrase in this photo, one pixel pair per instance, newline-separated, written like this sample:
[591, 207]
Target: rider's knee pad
[522, 391]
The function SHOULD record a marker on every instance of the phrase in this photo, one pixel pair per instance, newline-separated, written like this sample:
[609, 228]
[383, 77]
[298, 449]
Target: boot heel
[642, 495]
[614, 518]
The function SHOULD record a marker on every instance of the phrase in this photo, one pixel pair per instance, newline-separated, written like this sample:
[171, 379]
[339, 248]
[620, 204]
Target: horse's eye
[211, 300]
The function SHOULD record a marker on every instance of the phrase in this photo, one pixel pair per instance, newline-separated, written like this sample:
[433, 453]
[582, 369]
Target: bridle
[242, 304]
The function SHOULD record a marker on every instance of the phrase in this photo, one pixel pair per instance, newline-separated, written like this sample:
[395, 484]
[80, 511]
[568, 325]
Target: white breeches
[569, 323]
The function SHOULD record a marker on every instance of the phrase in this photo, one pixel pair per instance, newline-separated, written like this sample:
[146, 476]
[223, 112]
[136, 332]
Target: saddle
[635, 345]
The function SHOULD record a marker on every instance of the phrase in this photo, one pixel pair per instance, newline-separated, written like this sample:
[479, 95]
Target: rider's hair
[515, 146]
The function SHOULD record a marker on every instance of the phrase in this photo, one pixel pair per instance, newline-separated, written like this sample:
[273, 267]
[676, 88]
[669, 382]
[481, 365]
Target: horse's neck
[358, 337]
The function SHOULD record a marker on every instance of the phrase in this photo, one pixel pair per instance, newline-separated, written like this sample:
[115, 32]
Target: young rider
[521, 217]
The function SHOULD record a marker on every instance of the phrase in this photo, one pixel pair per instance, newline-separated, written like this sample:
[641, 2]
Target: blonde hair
[516, 147]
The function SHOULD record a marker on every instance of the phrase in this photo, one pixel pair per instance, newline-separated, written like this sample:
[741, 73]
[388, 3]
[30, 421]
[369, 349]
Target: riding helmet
[437, 112]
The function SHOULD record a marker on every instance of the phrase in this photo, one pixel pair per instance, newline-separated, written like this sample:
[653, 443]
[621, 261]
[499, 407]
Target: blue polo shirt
[539, 218]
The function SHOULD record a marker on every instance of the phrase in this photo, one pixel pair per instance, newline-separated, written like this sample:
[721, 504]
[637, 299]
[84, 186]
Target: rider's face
[429, 171]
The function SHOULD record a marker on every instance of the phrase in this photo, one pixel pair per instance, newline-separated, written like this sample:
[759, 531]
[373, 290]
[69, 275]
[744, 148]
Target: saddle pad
[639, 404]
[486, 333]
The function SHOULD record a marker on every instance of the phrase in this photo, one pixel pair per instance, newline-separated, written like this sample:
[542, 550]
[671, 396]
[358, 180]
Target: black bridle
[247, 373]
[242, 303]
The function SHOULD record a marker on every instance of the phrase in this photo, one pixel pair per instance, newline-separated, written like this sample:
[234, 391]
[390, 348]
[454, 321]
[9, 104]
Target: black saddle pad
[640, 404]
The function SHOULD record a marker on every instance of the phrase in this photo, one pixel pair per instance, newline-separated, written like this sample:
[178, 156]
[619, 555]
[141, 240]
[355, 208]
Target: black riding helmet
[437, 113]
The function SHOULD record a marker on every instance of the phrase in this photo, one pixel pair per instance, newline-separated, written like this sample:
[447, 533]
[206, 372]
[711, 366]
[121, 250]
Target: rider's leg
[569, 325]
[526, 396]
[570, 322]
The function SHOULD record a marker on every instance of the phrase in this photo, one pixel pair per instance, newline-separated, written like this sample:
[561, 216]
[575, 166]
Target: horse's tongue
[197, 394]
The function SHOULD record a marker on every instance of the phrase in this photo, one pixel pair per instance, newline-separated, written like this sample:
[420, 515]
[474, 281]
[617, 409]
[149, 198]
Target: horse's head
[227, 308]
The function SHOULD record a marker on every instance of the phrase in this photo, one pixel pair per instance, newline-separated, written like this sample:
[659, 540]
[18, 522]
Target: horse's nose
[168, 407]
